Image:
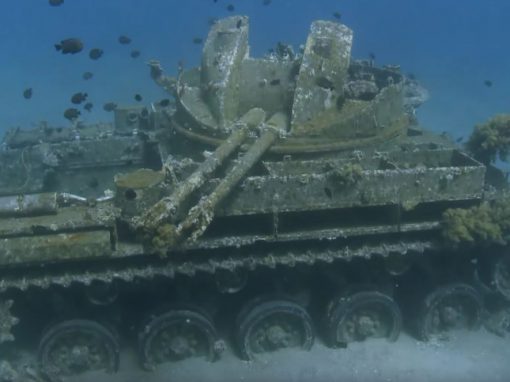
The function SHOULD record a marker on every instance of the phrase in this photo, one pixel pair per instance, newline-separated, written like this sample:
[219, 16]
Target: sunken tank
[278, 199]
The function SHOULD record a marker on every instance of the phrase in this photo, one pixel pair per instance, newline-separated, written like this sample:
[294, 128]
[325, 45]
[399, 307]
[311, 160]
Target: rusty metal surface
[31, 204]
[323, 94]
[304, 186]
[56, 247]
[322, 74]
[67, 219]
[224, 50]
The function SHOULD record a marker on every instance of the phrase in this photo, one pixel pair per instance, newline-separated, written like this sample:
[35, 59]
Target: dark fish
[138, 98]
[87, 75]
[56, 3]
[124, 40]
[239, 23]
[487, 83]
[197, 40]
[70, 46]
[164, 102]
[78, 98]
[144, 113]
[95, 53]
[231, 8]
[88, 106]
[337, 15]
[459, 139]
[109, 106]
[266, 2]
[71, 113]
[371, 55]
[27, 93]
[135, 53]
[275, 82]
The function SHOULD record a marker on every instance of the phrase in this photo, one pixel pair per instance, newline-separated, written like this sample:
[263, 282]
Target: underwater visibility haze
[319, 188]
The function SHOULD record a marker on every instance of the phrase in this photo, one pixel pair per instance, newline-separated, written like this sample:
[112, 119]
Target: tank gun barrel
[166, 208]
[201, 215]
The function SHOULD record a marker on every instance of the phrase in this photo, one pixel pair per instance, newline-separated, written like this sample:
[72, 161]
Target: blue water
[451, 46]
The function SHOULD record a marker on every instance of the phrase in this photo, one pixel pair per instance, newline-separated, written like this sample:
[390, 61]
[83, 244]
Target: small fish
[164, 102]
[337, 15]
[27, 93]
[487, 83]
[239, 23]
[266, 2]
[69, 46]
[371, 55]
[71, 113]
[138, 98]
[231, 8]
[124, 40]
[197, 40]
[88, 106]
[275, 82]
[56, 3]
[95, 53]
[78, 98]
[109, 106]
[87, 75]
[135, 53]
[459, 139]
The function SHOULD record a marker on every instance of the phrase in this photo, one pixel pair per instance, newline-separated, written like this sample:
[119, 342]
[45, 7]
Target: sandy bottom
[472, 356]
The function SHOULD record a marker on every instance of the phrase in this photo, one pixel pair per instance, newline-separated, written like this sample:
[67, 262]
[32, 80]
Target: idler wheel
[177, 334]
[76, 346]
[266, 325]
[455, 306]
[362, 315]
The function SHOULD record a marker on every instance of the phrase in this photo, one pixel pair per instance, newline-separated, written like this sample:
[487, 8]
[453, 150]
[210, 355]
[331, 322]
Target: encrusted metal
[7, 321]
[257, 165]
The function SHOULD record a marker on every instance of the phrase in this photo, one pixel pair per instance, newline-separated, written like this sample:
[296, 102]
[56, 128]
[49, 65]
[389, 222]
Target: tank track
[169, 269]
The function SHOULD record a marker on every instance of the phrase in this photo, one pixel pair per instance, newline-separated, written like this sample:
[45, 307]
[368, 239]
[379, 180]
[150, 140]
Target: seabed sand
[472, 356]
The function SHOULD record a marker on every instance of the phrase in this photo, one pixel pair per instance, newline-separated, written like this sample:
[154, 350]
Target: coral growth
[488, 222]
[491, 140]
[347, 175]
